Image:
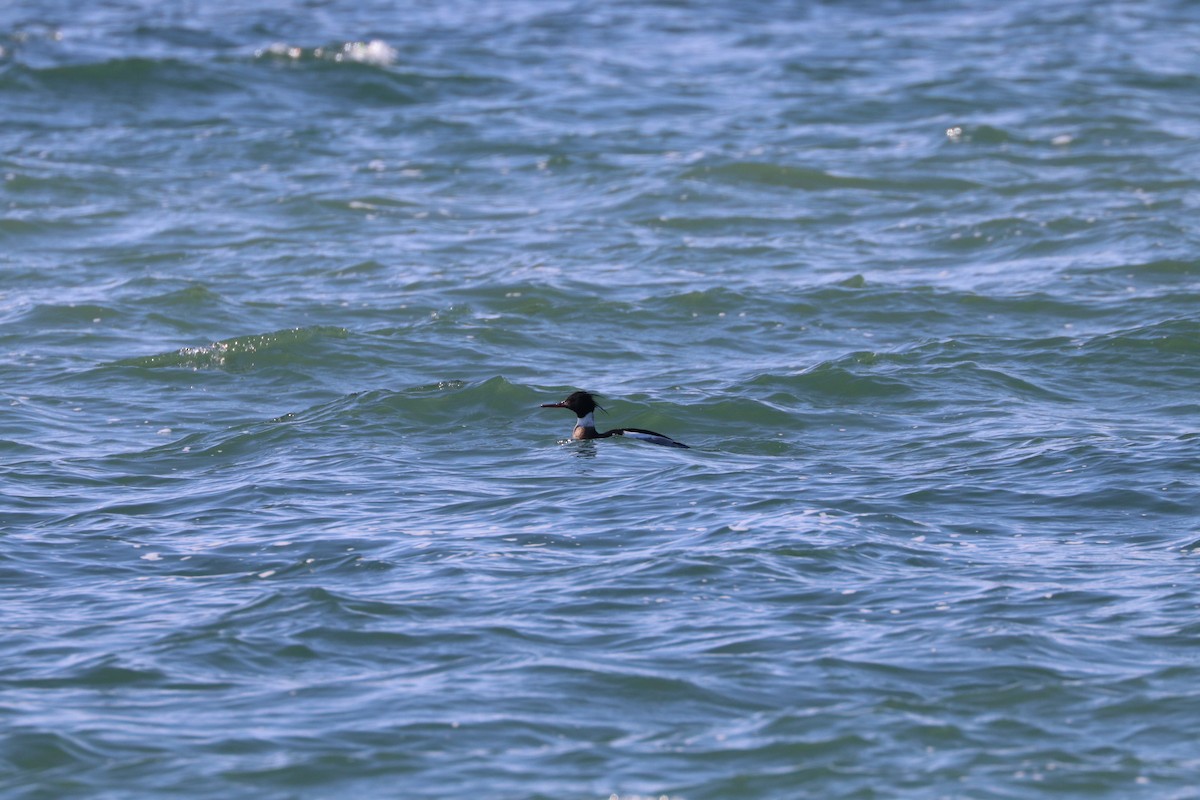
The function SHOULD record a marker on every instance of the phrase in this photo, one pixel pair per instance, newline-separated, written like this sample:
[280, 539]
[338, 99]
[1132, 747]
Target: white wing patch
[648, 436]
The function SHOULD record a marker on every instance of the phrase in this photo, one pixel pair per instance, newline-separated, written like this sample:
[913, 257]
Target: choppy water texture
[283, 287]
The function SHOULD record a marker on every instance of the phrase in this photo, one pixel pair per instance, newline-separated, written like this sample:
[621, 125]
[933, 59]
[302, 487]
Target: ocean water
[281, 291]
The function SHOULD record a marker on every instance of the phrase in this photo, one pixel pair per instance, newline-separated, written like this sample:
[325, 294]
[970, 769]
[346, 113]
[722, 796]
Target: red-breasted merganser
[584, 405]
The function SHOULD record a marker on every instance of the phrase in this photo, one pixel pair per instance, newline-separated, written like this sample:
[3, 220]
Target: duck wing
[645, 435]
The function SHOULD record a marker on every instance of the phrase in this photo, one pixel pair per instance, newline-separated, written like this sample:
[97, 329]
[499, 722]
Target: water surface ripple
[284, 286]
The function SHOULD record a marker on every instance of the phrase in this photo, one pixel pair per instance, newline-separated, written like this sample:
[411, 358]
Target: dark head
[582, 403]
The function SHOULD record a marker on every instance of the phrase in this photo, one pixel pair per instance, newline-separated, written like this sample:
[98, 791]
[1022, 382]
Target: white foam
[376, 52]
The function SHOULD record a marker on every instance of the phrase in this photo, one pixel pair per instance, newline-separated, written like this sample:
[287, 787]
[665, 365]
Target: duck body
[584, 405]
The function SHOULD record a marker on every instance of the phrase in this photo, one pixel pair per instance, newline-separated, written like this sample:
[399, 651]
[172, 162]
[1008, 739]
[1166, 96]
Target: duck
[584, 405]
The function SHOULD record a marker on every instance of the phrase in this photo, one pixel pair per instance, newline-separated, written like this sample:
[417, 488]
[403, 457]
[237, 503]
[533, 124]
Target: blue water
[281, 291]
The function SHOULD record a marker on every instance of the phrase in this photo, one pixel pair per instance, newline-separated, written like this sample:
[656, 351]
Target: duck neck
[585, 427]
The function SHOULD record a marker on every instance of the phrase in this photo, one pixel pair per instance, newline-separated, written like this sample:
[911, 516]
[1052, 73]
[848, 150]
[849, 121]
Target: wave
[1170, 337]
[125, 78]
[792, 177]
[375, 52]
[242, 353]
[362, 73]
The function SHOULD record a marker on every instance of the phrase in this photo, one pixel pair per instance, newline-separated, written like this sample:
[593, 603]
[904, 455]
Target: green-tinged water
[282, 289]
